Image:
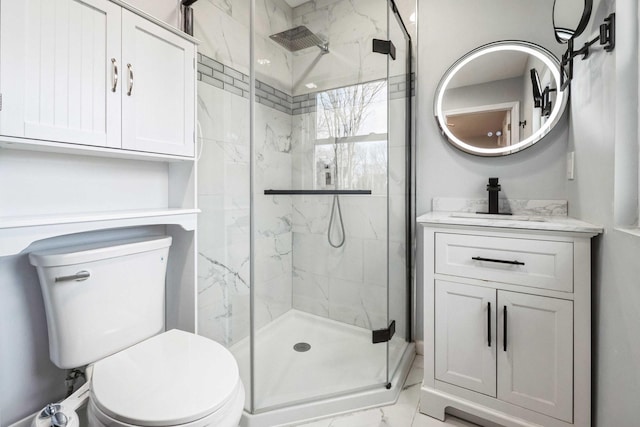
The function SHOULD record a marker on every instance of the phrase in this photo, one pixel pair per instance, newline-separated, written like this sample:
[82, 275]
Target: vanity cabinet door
[158, 95]
[57, 71]
[465, 336]
[535, 353]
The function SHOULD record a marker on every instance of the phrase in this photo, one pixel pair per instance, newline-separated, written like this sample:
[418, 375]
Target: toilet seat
[175, 378]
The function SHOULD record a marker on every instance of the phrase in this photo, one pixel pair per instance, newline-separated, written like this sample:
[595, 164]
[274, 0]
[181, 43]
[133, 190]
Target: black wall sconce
[607, 39]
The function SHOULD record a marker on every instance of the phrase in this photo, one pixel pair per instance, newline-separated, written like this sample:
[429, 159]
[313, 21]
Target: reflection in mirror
[570, 18]
[500, 98]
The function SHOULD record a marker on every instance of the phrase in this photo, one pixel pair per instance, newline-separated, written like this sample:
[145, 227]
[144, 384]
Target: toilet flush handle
[79, 276]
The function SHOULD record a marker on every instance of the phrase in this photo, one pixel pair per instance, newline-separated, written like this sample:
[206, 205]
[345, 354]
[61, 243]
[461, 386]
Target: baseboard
[420, 347]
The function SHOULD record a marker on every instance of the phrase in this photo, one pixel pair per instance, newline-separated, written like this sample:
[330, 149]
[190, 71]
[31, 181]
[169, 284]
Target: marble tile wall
[223, 28]
[348, 26]
[224, 198]
[349, 284]
[224, 168]
[273, 236]
[294, 265]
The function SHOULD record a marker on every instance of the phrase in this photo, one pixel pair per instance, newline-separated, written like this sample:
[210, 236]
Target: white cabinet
[535, 357]
[507, 323]
[158, 104]
[55, 70]
[465, 336]
[530, 356]
[90, 72]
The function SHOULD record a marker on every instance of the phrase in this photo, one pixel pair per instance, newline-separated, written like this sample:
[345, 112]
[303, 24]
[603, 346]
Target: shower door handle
[130, 79]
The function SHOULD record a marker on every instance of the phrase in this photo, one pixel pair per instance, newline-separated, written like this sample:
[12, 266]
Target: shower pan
[319, 314]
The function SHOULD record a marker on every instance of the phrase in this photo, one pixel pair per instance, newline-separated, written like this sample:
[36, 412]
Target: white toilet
[105, 307]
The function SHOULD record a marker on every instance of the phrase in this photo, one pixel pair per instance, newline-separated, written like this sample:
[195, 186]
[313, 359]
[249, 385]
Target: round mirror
[500, 98]
[570, 18]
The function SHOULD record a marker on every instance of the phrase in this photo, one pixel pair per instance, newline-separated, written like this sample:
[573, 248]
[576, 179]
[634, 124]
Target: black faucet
[493, 188]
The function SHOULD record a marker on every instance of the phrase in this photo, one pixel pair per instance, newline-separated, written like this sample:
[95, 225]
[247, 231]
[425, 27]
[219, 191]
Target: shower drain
[302, 347]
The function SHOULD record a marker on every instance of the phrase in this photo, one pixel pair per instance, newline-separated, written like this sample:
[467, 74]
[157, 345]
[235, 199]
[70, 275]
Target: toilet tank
[102, 298]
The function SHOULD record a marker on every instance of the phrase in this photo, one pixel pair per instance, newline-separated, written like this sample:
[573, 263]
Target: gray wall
[448, 30]
[603, 132]
[604, 135]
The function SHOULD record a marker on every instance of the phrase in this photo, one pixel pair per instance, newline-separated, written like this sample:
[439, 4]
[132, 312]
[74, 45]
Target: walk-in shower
[305, 178]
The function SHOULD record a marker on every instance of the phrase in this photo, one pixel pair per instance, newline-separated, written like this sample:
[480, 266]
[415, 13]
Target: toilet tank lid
[79, 254]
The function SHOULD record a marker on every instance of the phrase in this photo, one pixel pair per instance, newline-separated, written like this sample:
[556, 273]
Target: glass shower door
[400, 195]
[320, 174]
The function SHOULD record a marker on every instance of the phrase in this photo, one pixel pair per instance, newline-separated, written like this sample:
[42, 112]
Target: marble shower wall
[349, 26]
[273, 236]
[294, 265]
[223, 27]
[349, 284]
[223, 231]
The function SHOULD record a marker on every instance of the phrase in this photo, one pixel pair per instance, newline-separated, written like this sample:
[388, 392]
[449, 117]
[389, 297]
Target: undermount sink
[498, 217]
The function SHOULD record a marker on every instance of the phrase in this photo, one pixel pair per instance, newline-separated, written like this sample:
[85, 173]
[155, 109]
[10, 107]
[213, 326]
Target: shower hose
[336, 202]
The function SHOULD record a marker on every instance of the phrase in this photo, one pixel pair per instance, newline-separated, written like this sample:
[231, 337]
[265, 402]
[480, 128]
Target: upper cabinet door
[465, 334]
[536, 370]
[58, 70]
[158, 99]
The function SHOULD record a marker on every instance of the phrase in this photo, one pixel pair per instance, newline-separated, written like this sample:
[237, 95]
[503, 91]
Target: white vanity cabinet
[84, 71]
[507, 321]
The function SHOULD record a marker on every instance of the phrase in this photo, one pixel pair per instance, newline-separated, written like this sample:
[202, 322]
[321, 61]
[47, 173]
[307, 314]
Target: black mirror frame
[546, 104]
[582, 25]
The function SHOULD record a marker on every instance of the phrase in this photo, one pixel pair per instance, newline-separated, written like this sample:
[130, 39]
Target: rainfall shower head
[299, 38]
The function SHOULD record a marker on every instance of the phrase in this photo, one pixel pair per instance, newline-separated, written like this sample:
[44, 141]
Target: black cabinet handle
[504, 329]
[489, 321]
[499, 261]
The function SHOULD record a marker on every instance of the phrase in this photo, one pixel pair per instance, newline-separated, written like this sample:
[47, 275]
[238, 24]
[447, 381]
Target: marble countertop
[528, 222]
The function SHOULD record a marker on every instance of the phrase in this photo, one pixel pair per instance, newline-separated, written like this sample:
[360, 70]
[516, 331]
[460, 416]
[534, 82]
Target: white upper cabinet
[158, 101]
[56, 71]
[91, 72]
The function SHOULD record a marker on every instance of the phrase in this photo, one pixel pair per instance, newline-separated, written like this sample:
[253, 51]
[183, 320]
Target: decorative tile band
[231, 80]
[223, 77]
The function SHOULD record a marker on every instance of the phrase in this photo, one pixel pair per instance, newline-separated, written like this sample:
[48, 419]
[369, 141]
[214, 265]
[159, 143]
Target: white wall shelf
[86, 150]
[17, 233]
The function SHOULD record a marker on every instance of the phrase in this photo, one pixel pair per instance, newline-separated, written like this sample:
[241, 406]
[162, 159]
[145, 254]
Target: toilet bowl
[173, 379]
[105, 309]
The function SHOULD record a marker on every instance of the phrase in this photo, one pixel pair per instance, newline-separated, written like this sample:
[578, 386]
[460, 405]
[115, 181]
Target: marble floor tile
[404, 413]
